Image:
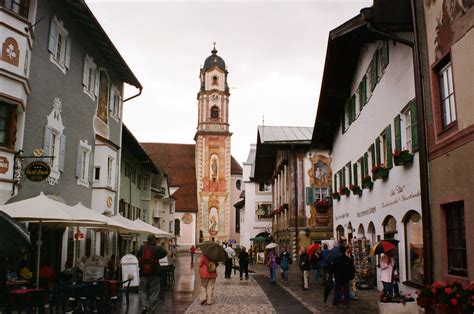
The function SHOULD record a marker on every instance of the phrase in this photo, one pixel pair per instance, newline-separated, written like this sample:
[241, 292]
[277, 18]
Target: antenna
[263, 120]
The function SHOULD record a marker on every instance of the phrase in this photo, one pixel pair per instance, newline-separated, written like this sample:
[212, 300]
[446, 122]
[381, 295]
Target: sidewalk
[234, 296]
[313, 298]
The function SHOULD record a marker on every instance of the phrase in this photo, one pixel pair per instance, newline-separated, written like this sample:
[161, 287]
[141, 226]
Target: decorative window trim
[110, 172]
[57, 28]
[54, 126]
[84, 166]
[115, 103]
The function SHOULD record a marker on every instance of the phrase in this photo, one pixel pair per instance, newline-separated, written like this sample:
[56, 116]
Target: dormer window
[214, 112]
[215, 81]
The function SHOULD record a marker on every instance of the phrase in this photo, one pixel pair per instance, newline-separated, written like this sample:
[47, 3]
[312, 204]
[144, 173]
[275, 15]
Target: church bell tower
[213, 154]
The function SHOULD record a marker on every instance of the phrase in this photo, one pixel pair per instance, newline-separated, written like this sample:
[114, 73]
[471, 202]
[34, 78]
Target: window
[127, 170]
[362, 93]
[55, 145]
[170, 227]
[382, 59]
[456, 239]
[264, 187]
[20, 7]
[373, 73]
[339, 232]
[348, 174]
[383, 152]
[133, 174]
[414, 247]
[110, 168]
[90, 77]
[97, 173]
[321, 193]
[83, 164]
[215, 81]
[237, 220]
[447, 94]
[7, 125]
[115, 102]
[263, 211]
[214, 112]
[238, 184]
[407, 120]
[177, 227]
[59, 45]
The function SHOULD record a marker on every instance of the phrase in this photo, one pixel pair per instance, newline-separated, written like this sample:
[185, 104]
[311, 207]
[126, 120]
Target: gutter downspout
[423, 147]
[134, 96]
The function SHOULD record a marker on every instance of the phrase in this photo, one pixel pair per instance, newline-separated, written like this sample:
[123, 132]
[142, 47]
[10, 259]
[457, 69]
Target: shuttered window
[349, 172]
[373, 72]
[414, 126]
[362, 92]
[356, 178]
[309, 195]
[397, 129]
[388, 146]
[366, 164]
[59, 45]
[352, 104]
[377, 151]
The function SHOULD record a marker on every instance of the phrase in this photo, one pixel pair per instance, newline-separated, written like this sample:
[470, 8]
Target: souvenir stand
[362, 262]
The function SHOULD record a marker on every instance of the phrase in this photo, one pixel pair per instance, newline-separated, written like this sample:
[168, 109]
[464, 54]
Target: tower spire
[214, 50]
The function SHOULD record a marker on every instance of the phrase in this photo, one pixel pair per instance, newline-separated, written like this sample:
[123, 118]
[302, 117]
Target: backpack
[148, 261]
[211, 267]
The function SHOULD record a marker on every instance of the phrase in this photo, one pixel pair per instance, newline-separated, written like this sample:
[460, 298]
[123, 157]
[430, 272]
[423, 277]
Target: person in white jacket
[386, 274]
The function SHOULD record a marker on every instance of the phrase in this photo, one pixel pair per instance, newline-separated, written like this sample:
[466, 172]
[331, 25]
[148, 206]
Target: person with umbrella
[387, 263]
[344, 272]
[148, 256]
[212, 253]
[272, 263]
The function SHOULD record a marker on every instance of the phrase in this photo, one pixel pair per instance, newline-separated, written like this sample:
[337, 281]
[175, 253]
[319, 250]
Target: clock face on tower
[215, 97]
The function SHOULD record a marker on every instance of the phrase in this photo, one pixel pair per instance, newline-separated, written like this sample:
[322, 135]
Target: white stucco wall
[400, 193]
[187, 236]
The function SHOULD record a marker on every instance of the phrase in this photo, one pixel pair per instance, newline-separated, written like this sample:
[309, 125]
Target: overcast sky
[274, 52]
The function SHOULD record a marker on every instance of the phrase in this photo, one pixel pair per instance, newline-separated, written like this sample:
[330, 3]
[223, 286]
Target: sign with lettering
[37, 171]
[4, 165]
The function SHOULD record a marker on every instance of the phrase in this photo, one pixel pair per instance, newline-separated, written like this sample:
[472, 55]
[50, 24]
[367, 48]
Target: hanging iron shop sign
[37, 171]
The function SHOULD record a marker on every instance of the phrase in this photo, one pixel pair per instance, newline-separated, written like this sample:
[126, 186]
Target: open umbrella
[271, 246]
[259, 239]
[213, 251]
[14, 236]
[382, 246]
[312, 247]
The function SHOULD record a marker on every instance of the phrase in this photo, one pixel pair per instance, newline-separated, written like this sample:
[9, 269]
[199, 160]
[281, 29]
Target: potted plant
[356, 190]
[380, 171]
[402, 157]
[367, 183]
[447, 297]
[397, 304]
[322, 205]
[336, 196]
[344, 190]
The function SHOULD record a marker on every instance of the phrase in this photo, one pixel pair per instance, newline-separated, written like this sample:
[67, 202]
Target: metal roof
[284, 134]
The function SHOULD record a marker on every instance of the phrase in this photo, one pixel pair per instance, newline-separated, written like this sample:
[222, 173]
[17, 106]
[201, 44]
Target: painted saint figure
[213, 217]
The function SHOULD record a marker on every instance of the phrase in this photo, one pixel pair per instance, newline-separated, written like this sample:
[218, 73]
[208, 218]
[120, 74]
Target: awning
[153, 230]
[130, 225]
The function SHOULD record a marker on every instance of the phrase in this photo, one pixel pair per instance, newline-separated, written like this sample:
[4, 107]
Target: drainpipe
[423, 143]
[139, 93]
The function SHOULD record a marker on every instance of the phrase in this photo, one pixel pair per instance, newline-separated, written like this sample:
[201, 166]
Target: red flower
[433, 290]
[454, 301]
[448, 290]
[396, 154]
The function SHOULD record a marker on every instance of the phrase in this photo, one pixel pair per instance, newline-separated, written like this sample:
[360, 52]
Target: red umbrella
[382, 247]
[312, 247]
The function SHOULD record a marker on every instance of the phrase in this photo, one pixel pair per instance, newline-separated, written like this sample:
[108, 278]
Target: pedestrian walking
[285, 262]
[244, 263]
[315, 265]
[251, 255]
[208, 273]
[148, 256]
[305, 267]
[386, 274]
[272, 263]
[230, 258]
[324, 261]
[344, 272]
[192, 250]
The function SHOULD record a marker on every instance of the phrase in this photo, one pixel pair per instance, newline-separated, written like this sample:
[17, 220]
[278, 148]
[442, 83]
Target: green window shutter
[372, 154]
[362, 93]
[366, 164]
[362, 166]
[335, 182]
[356, 179]
[388, 138]
[348, 166]
[343, 122]
[377, 150]
[385, 54]
[398, 137]
[349, 111]
[353, 107]
[414, 126]
[309, 195]
[373, 72]
[343, 176]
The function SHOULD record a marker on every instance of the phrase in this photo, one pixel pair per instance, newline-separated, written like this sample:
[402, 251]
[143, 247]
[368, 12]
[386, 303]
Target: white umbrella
[271, 246]
[129, 224]
[152, 229]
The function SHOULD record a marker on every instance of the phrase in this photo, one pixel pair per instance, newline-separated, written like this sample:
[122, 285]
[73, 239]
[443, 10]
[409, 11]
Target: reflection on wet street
[175, 299]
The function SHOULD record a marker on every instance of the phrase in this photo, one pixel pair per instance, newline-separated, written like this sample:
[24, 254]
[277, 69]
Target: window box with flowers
[322, 205]
[367, 183]
[336, 196]
[402, 157]
[447, 297]
[344, 191]
[380, 172]
[397, 304]
[356, 190]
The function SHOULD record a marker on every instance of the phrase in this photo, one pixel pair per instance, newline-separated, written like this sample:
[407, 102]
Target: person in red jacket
[207, 271]
[192, 249]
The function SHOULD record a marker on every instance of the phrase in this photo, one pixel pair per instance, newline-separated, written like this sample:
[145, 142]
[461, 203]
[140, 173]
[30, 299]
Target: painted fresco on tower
[214, 167]
[213, 221]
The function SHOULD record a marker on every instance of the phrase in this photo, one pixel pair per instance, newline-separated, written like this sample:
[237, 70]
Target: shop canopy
[153, 230]
[129, 224]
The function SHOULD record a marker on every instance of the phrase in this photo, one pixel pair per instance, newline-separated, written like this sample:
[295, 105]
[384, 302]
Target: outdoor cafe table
[28, 298]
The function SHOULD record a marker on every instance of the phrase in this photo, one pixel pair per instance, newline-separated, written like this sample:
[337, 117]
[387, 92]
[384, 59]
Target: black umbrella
[328, 282]
[160, 252]
[328, 286]
[15, 237]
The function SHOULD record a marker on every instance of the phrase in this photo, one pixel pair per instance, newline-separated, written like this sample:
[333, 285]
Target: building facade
[367, 118]
[447, 38]
[255, 210]
[73, 112]
[213, 154]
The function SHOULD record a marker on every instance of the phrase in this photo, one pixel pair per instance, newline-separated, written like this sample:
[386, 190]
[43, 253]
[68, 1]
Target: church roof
[178, 161]
[212, 60]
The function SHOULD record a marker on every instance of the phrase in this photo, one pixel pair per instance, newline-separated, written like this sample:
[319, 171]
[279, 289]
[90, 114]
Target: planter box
[399, 308]
[357, 191]
[368, 185]
[404, 158]
[381, 174]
